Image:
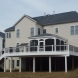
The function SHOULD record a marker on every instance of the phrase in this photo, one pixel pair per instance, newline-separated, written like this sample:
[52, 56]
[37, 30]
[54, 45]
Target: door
[41, 46]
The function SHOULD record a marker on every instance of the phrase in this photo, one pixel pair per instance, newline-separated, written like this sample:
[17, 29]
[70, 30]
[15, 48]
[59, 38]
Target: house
[2, 46]
[44, 43]
[2, 40]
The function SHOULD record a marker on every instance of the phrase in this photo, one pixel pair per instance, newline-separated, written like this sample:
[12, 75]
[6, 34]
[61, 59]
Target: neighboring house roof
[52, 19]
[2, 35]
[47, 35]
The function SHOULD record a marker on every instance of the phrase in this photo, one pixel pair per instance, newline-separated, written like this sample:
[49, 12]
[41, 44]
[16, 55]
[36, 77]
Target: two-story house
[44, 43]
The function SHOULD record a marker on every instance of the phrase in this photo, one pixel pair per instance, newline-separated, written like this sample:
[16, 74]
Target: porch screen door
[41, 46]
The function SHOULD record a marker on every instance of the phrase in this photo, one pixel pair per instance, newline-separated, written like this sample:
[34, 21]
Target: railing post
[24, 49]
[38, 48]
[8, 50]
[68, 48]
[52, 48]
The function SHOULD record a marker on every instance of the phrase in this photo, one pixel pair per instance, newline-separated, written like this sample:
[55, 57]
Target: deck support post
[4, 64]
[49, 64]
[66, 64]
[73, 63]
[19, 64]
[11, 64]
[33, 64]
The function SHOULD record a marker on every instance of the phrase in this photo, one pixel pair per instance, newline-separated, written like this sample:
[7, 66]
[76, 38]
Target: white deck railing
[37, 49]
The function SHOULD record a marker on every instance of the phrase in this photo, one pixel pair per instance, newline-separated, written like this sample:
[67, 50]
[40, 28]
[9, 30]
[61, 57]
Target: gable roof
[13, 27]
[51, 19]
[2, 35]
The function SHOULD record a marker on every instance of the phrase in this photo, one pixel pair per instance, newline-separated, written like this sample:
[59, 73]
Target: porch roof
[47, 35]
[23, 44]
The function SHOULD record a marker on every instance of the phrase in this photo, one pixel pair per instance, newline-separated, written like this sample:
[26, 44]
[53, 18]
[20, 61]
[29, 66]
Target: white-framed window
[38, 31]
[56, 30]
[74, 30]
[8, 35]
[44, 31]
[17, 63]
[32, 31]
[18, 33]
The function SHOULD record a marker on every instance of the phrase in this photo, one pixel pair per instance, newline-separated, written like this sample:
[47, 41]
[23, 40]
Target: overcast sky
[12, 10]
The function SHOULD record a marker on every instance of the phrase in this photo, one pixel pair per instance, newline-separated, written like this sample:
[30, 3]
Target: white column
[66, 64]
[60, 45]
[33, 64]
[11, 64]
[29, 46]
[54, 44]
[19, 64]
[4, 64]
[44, 45]
[38, 46]
[49, 64]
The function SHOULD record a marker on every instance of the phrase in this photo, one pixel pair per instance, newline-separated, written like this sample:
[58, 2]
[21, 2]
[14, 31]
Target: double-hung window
[32, 31]
[56, 30]
[18, 33]
[44, 31]
[38, 31]
[8, 35]
[17, 62]
[74, 30]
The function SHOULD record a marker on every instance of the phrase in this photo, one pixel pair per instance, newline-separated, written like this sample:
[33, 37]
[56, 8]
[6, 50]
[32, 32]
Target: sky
[12, 10]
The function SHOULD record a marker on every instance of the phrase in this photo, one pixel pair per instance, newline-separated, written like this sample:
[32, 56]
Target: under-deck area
[57, 64]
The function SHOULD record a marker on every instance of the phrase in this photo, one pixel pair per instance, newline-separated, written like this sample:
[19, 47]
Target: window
[32, 31]
[76, 29]
[38, 31]
[56, 30]
[17, 62]
[44, 31]
[8, 35]
[18, 33]
[13, 64]
[72, 30]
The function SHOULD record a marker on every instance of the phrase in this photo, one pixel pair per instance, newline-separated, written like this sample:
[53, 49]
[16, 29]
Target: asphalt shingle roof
[54, 19]
[2, 34]
[47, 34]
